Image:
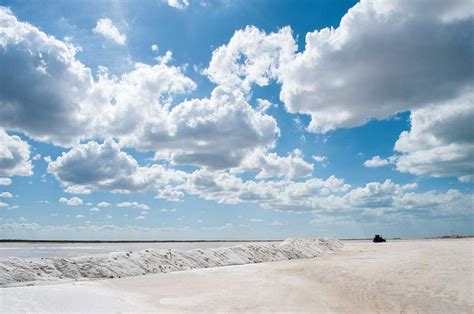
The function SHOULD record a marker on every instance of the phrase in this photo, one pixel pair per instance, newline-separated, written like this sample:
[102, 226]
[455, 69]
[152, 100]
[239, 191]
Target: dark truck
[378, 238]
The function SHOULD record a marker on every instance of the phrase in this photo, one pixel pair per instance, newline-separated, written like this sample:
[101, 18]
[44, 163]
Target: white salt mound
[20, 271]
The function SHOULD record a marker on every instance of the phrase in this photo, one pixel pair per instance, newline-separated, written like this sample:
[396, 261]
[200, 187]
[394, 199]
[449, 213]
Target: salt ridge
[21, 272]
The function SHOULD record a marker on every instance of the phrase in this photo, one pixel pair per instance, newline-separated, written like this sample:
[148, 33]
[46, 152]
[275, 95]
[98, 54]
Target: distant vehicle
[378, 238]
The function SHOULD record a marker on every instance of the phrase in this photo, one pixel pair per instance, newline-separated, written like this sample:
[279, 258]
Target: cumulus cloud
[225, 187]
[5, 181]
[178, 4]
[376, 162]
[41, 82]
[215, 132]
[323, 160]
[136, 108]
[385, 57]
[103, 204]
[170, 193]
[73, 201]
[119, 105]
[94, 166]
[134, 205]
[51, 96]
[330, 196]
[6, 195]
[14, 156]
[251, 57]
[106, 28]
[166, 210]
[440, 142]
[271, 165]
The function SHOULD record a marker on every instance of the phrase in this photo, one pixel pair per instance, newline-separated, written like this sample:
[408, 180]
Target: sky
[256, 119]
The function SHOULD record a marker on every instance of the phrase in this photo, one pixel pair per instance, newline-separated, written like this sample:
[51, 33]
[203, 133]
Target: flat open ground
[410, 276]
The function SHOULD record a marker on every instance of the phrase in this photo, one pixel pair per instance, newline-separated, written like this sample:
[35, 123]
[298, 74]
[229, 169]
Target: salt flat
[399, 276]
[67, 249]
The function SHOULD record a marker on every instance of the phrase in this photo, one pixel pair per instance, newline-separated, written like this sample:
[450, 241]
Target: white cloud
[6, 195]
[264, 104]
[168, 210]
[332, 195]
[43, 83]
[227, 226]
[2, 204]
[106, 28]
[323, 160]
[73, 201]
[385, 57]
[251, 57]
[94, 209]
[440, 142]
[375, 162]
[215, 132]
[178, 4]
[170, 193]
[94, 166]
[271, 165]
[79, 216]
[14, 156]
[319, 158]
[226, 188]
[5, 181]
[277, 223]
[103, 204]
[60, 101]
[134, 205]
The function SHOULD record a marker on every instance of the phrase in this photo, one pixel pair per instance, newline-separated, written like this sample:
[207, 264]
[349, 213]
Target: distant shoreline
[207, 241]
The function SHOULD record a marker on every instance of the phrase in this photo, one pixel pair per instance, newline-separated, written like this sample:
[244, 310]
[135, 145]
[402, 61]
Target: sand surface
[401, 276]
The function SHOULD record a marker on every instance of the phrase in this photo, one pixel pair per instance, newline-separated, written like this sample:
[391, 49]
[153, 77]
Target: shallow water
[34, 250]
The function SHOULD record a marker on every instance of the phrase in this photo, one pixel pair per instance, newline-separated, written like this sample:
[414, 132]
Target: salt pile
[20, 272]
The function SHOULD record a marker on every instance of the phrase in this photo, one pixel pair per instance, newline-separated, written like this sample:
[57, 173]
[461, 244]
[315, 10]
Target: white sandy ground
[402, 276]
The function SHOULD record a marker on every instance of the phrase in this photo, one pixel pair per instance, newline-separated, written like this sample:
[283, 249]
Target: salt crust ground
[427, 276]
[22, 271]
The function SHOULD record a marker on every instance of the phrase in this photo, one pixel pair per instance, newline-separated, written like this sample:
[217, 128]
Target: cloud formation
[106, 28]
[178, 4]
[41, 82]
[215, 132]
[268, 165]
[73, 201]
[93, 166]
[251, 57]
[376, 162]
[440, 142]
[381, 60]
[14, 156]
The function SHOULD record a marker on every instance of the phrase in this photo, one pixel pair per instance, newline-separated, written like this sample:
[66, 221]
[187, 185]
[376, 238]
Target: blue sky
[235, 119]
